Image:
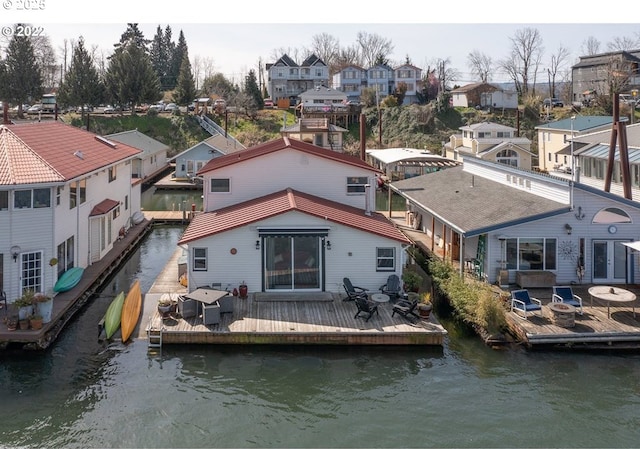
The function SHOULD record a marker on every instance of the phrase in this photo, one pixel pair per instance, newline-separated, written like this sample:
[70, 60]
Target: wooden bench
[535, 279]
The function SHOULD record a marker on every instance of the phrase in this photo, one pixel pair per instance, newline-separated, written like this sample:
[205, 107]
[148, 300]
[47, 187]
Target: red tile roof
[54, 152]
[283, 144]
[284, 201]
[103, 207]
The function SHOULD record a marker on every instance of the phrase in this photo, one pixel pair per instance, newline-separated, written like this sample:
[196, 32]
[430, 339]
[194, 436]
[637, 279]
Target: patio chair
[393, 287]
[523, 303]
[353, 292]
[565, 295]
[406, 308]
[366, 306]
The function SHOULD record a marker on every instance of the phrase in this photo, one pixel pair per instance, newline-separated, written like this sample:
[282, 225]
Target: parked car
[85, 108]
[171, 107]
[191, 107]
[156, 107]
[554, 102]
[35, 109]
[109, 110]
[268, 103]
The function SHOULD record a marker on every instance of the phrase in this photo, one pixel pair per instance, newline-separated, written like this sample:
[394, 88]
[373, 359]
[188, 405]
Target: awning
[633, 245]
[104, 207]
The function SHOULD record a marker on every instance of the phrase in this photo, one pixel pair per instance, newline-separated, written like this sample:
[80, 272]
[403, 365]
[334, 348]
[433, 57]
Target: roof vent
[78, 154]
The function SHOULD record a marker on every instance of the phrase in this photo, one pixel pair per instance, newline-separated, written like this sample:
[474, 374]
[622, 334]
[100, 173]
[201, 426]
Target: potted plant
[243, 290]
[164, 306]
[24, 304]
[35, 321]
[12, 324]
[412, 281]
[24, 324]
[425, 306]
[44, 306]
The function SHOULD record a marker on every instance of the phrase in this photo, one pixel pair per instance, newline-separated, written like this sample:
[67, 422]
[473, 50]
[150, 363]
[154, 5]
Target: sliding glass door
[292, 262]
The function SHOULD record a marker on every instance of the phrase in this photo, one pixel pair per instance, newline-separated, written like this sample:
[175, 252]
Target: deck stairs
[154, 337]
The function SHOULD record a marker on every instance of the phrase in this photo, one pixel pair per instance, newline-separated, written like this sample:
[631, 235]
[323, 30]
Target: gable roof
[312, 60]
[283, 143]
[473, 86]
[487, 126]
[286, 61]
[54, 152]
[277, 203]
[472, 204]
[581, 123]
[139, 140]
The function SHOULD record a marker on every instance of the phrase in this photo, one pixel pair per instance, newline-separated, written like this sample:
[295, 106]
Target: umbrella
[633, 245]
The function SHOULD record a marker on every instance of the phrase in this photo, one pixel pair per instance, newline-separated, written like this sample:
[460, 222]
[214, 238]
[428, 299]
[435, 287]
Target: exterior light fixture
[15, 251]
[568, 228]
[328, 245]
[257, 244]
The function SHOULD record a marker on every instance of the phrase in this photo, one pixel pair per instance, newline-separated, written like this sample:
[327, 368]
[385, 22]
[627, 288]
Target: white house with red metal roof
[289, 216]
[65, 193]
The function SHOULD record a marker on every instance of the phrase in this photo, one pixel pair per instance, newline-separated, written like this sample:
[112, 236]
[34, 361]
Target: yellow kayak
[131, 310]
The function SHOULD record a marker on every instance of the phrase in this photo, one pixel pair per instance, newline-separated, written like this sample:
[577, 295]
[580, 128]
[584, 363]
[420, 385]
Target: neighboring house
[317, 131]
[65, 193]
[323, 99]
[554, 139]
[350, 80]
[594, 74]
[381, 79]
[402, 163]
[493, 142]
[499, 99]
[513, 224]
[290, 216]
[152, 160]
[470, 95]
[411, 76]
[287, 80]
[189, 161]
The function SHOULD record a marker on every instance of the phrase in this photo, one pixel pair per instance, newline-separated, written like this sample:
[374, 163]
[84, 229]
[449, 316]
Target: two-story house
[286, 79]
[554, 149]
[189, 161]
[411, 77]
[484, 95]
[350, 80]
[381, 79]
[153, 158]
[289, 216]
[65, 193]
[594, 74]
[318, 131]
[491, 141]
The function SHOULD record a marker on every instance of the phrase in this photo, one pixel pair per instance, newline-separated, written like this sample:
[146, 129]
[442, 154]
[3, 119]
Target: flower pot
[24, 312]
[24, 324]
[36, 324]
[44, 309]
[424, 310]
[243, 291]
[12, 324]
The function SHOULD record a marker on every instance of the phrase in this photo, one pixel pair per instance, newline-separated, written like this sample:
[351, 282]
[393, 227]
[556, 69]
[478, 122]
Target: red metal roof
[103, 207]
[284, 201]
[283, 144]
[54, 152]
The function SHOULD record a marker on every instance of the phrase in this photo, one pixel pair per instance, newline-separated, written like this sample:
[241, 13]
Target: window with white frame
[531, 253]
[508, 157]
[112, 174]
[385, 259]
[199, 259]
[31, 271]
[58, 195]
[503, 134]
[356, 184]
[220, 185]
[32, 198]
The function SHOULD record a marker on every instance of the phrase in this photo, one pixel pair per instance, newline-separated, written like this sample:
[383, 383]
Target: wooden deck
[307, 318]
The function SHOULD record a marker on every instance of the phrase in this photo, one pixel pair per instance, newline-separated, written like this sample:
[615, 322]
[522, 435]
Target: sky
[237, 39]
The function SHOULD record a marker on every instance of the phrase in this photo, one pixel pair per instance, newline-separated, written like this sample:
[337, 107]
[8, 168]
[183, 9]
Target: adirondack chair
[406, 308]
[523, 303]
[565, 294]
[393, 287]
[353, 292]
[365, 306]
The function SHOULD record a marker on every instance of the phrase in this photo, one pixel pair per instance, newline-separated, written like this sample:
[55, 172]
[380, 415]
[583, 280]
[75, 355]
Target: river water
[83, 393]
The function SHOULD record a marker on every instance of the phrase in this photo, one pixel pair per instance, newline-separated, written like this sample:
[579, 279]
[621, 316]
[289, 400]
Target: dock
[67, 304]
[314, 318]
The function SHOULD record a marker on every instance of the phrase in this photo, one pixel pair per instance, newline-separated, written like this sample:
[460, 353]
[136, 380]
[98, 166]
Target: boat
[131, 310]
[113, 316]
[69, 279]
[137, 217]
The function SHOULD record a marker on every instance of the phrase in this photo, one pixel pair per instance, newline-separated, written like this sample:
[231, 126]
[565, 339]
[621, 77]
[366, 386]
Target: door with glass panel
[292, 262]
[609, 262]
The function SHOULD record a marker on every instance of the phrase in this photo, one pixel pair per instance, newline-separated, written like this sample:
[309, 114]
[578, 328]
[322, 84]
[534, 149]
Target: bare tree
[196, 68]
[558, 61]
[622, 43]
[327, 48]
[526, 53]
[349, 56]
[372, 47]
[590, 46]
[480, 65]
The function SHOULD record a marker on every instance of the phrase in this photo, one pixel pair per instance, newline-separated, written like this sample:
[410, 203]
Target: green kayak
[114, 315]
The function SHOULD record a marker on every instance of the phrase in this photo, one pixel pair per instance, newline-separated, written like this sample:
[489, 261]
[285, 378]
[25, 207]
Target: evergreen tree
[181, 51]
[169, 48]
[158, 53]
[22, 78]
[252, 89]
[81, 85]
[130, 78]
[132, 35]
[186, 86]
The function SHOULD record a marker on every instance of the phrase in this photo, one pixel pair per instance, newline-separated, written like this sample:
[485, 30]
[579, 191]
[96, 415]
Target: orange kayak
[131, 310]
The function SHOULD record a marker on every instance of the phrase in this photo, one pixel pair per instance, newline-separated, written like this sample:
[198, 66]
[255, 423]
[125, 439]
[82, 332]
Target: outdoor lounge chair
[365, 305]
[393, 287]
[353, 292]
[565, 295]
[523, 303]
[406, 308]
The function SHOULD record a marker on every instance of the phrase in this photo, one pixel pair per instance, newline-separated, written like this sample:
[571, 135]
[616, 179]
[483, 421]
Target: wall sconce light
[568, 228]
[328, 245]
[15, 251]
[257, 244]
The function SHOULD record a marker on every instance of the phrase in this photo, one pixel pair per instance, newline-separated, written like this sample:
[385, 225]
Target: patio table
[612, 294]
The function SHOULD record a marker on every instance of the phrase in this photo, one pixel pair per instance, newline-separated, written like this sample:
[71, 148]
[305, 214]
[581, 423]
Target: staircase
[214, 129]
[154, 337]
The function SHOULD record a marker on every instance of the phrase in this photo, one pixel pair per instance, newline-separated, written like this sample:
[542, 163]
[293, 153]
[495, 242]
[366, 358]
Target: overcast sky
[236, 40]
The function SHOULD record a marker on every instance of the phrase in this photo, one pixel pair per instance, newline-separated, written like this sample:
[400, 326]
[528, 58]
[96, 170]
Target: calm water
[83, 393]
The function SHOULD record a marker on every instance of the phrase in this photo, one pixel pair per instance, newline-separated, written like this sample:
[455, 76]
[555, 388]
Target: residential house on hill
[594, 74]
[411, 77]
[317, 131]
[484, 95]
[554, 139]
[350, 80]
[491, 141]
[286, 79]
[153, 158]
[290, 216]
[65, 193]
[520, 227]
[381, 79]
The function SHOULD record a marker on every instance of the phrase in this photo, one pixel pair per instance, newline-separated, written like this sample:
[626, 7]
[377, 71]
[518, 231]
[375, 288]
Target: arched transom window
[508, 156]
